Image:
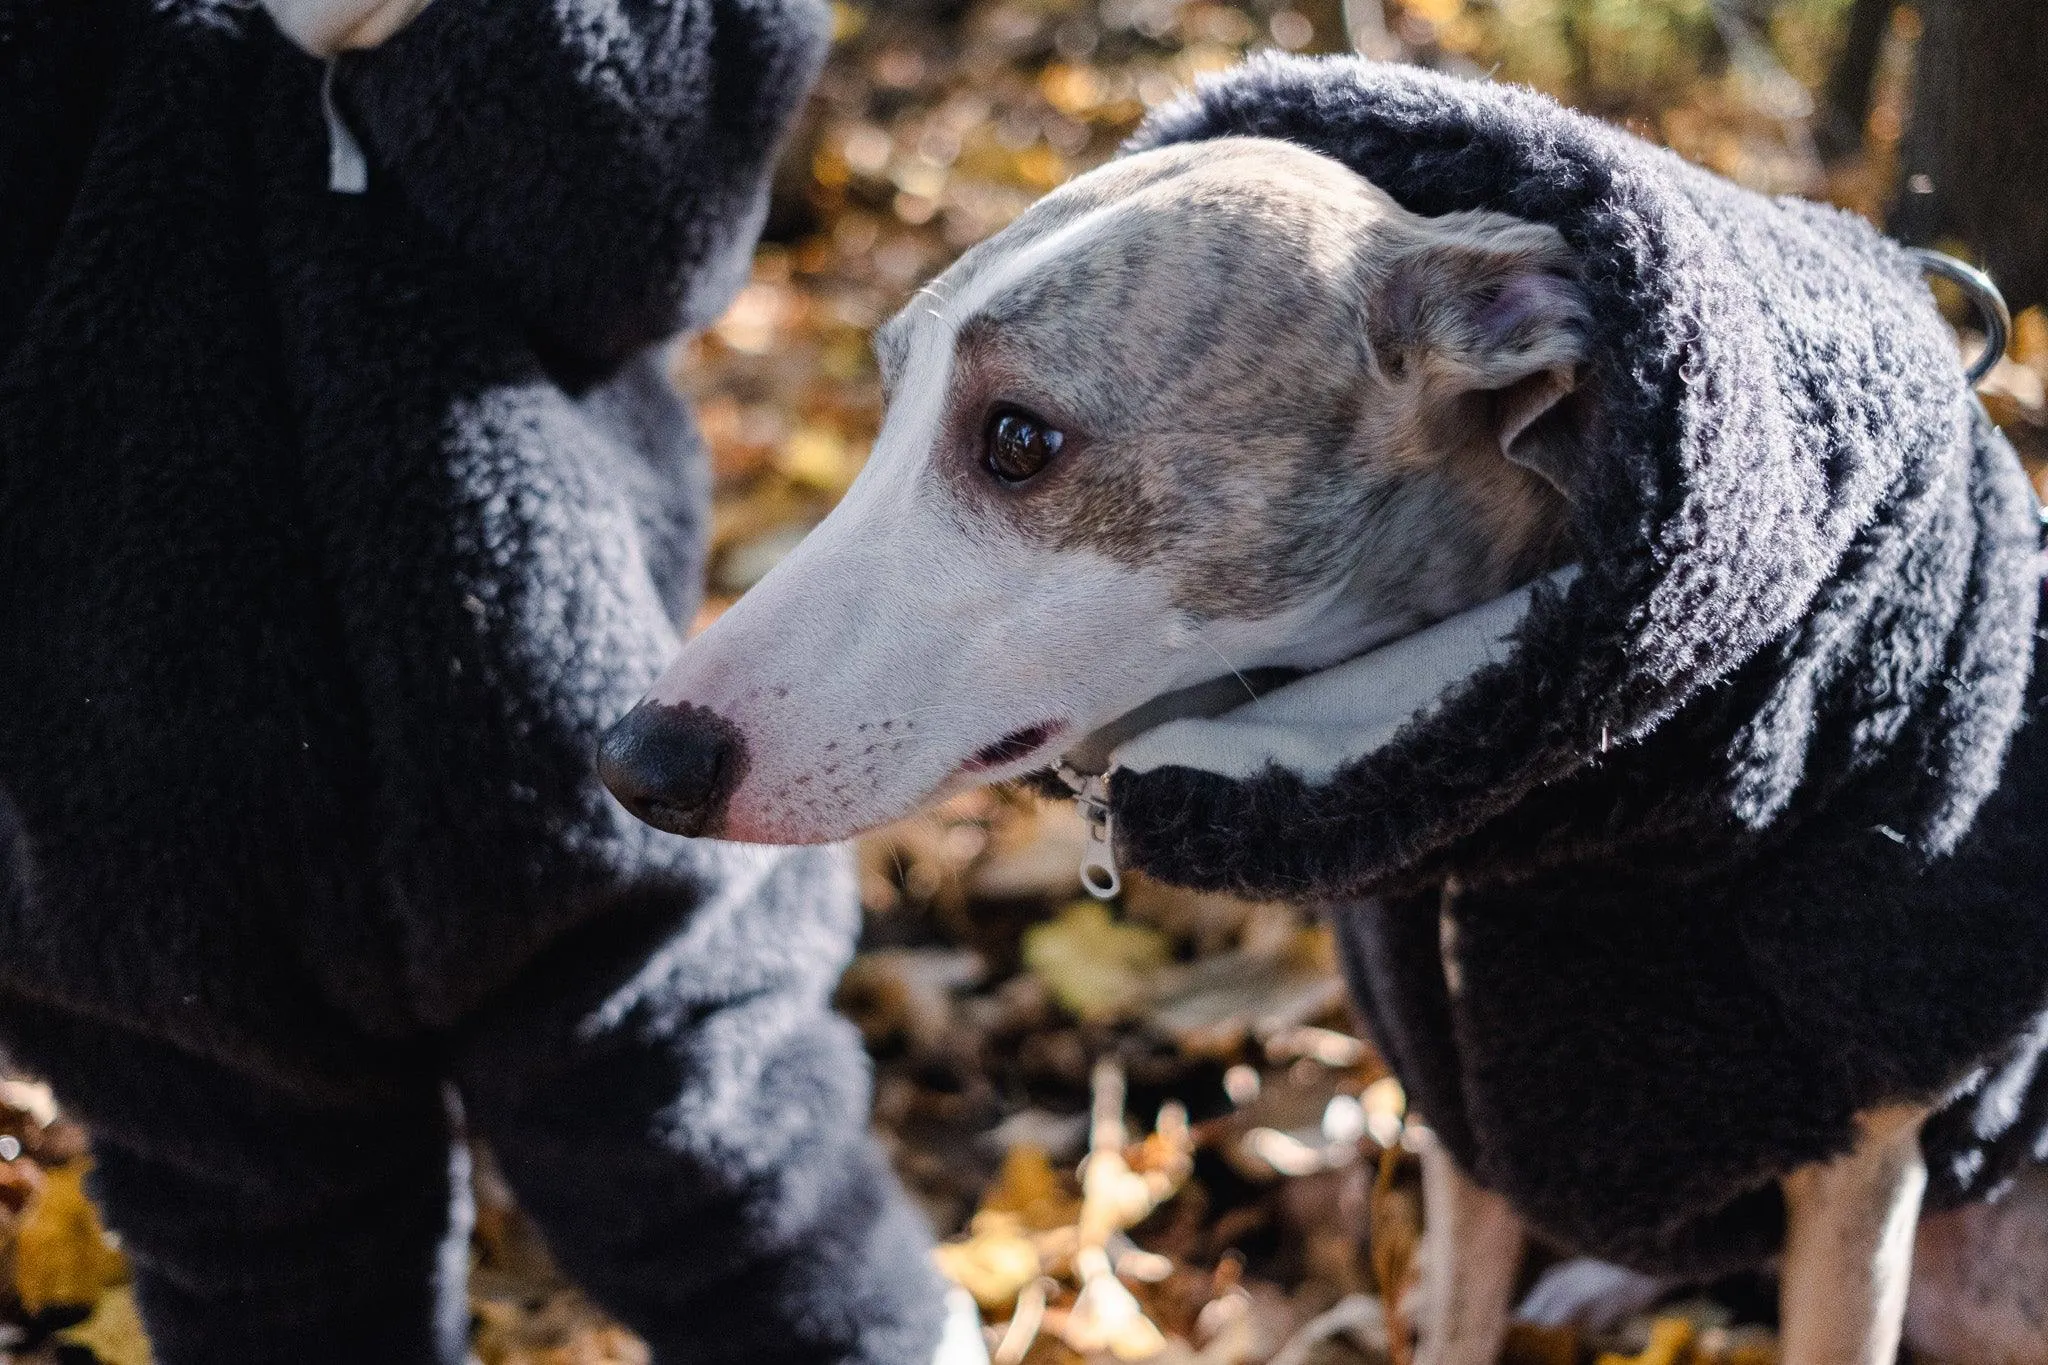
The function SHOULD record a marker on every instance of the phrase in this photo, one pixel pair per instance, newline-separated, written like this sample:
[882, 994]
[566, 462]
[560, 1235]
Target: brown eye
[1019, 445]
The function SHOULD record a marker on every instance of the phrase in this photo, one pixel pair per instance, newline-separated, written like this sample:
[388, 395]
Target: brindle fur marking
[1238, 380]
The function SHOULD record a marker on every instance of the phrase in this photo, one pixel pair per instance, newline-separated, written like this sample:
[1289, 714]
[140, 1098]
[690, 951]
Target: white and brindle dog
[1225, 406]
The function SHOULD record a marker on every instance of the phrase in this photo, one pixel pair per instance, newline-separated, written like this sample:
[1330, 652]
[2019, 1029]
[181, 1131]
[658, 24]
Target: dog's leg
[1849, 1245]
[1471, 1253]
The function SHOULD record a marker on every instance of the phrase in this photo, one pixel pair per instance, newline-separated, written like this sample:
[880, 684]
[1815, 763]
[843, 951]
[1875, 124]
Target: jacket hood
[1780, 435]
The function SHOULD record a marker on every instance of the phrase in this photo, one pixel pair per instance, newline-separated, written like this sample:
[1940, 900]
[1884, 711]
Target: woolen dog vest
[1734, 831]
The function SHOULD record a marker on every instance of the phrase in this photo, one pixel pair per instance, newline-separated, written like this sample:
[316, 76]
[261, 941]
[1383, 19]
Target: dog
[1218, 410]
[1039, 487]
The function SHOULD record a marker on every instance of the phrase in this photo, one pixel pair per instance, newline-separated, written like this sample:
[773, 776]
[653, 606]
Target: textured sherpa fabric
[15, 875]
[1729, 846]
[334, 530]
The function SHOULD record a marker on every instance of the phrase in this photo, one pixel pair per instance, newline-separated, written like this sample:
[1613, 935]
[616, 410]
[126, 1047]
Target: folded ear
[1481, 303]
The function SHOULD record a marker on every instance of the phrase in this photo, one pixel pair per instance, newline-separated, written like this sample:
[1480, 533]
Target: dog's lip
[1018, 744]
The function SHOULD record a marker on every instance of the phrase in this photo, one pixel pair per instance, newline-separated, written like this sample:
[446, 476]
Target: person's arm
[676, 1105]
[603, 163]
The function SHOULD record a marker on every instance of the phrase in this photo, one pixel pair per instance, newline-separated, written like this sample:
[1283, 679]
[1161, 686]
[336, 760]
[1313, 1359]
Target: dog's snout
[674, 766]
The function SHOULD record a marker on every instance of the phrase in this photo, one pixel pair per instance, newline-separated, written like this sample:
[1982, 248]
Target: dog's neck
[1459, 527]
[1448, 544]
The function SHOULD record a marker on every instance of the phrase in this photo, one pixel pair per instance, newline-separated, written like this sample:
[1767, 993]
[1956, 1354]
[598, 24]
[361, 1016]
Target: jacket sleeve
[675, 1102]
[605, 163]
[1272, 836]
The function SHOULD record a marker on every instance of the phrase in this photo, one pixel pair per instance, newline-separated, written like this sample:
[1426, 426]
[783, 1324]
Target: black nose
[674, 766]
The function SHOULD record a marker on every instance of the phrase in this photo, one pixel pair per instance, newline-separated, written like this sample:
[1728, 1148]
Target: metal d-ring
[1984, 297]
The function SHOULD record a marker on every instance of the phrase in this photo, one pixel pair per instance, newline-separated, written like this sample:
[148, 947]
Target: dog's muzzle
[675, 767]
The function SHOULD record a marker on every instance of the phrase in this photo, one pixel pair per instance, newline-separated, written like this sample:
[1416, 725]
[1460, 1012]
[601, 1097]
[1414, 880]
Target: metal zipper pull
[1098, 855]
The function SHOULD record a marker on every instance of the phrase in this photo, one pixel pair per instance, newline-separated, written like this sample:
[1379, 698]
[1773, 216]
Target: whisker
[1249, 691]
[947, 708]
[926, 819]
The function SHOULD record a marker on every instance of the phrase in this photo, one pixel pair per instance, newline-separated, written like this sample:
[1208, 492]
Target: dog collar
[1310, 723]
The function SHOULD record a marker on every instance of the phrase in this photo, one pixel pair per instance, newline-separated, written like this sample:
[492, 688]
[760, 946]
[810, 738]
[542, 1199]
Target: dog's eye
[1019, 445]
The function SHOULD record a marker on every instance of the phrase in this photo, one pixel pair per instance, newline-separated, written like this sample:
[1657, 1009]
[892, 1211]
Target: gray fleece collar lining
[1317, 724]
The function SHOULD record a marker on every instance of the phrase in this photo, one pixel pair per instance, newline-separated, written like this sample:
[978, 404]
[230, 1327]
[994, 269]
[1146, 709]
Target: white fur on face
[906, 635]
[900, 639]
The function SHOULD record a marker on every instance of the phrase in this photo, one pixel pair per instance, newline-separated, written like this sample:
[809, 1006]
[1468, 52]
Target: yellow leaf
[62, 1253]
[1030, 1189]
[754, 321]
[114, 1331]
[1436, 11]
[2030, 338]
[847, 21]
[817, 457]
[1040, 167]
[1670, 1344]
[1092, 965]
[1070, 88]
[994, 1263]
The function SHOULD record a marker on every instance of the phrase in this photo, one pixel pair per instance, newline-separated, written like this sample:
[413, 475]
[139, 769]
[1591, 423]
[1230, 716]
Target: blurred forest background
[1245, 1195]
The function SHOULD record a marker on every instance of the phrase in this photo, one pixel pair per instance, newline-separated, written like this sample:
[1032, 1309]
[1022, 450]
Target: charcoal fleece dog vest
[1735, 831]
[334, 529]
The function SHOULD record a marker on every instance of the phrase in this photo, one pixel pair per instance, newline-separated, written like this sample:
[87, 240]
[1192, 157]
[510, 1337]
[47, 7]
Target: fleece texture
[1741, 836]
[334, 530]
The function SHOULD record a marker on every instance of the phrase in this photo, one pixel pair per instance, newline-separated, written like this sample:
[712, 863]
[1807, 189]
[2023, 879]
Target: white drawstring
[348, 170]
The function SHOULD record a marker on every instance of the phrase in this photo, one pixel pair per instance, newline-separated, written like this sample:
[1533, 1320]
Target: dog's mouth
[1018, 744]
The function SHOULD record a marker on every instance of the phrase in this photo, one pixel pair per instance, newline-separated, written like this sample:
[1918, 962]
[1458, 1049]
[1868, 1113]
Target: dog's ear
[1488, 305]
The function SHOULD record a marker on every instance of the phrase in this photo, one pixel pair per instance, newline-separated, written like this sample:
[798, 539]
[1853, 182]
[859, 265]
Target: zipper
[1098, 855]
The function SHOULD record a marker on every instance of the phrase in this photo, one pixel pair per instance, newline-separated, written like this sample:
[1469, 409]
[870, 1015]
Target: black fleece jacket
[333, 532]
[1738, 839]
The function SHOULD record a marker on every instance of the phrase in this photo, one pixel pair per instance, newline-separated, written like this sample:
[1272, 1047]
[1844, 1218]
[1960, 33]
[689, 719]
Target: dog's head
[1215, 407]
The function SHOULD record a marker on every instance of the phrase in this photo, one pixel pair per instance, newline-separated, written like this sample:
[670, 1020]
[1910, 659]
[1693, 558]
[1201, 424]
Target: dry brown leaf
[114, 1331]
[1671, 1341]
[1031, 1190]
[62, 1253]
[995, 1263]
[1395, 1216]
[565, 1329]
[2030, 338]
[1750, 1345]
[1529, 1344]
[1095, 967]
[906, 995]
[818, 458]
[19, 1181]
[1210, 1008]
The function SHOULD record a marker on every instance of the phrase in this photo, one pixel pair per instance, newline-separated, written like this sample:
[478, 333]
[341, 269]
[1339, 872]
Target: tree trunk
[1974, 165]
[1845, 105]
